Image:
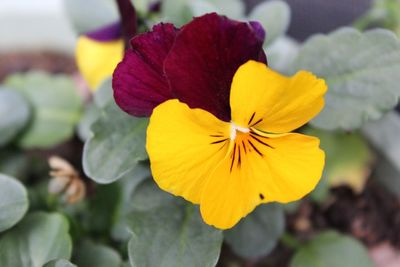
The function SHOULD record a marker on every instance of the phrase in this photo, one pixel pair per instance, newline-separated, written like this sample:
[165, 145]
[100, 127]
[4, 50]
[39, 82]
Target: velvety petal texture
[139, 81]
[275, 103]
[194, 64]
[177, 133]
[206, 54]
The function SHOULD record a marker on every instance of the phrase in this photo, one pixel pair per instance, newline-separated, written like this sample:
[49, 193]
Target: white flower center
[235, 128]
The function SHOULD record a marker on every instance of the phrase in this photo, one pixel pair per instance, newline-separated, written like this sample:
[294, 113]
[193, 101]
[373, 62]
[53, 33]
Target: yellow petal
[261, 169]
[184, 146]
[97, 60]
[271, 102]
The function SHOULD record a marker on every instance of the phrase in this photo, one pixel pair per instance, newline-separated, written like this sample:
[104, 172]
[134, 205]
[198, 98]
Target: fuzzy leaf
[14, 114]
[38, 239]
[13, 202]
[331, 249]
[90, 254]
[56, 108]
[116, 145]
[59, 263]
[257, 234]
[361, 70]
[274, 16]
[172, 229]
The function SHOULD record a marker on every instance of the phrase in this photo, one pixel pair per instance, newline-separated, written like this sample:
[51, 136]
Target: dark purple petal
[206, 54]
[139, 82]
[258, 29]
[107, 33]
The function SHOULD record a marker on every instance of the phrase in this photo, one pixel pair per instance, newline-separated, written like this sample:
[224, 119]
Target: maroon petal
[139, 82]
[206, 54]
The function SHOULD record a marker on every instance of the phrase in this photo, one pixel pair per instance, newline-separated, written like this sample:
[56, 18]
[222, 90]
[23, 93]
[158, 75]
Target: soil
[45, 61]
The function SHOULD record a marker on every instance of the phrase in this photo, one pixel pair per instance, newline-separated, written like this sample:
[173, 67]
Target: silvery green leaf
[59, 263]
[201, 7]
[274, 16]
[13, 202]
[83, 18]
[56, 108]
[39, 238]
[330, 249]
[234, 9]
[361, 70]
[384, 136]
[14, 114]
[258, 233]
[90, 254]
[388, 176]
[281, 53]
[176, 11]
[104, 94]
[171, 229]
[116, 145]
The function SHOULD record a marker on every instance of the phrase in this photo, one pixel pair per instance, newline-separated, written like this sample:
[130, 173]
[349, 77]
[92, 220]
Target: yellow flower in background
[231, 167]
[98, 53]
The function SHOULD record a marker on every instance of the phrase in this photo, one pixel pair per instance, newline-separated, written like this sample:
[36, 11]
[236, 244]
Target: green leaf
[38, 239]
[348, 158]
[104, 94]
[116, 146]
[388, 176]
[274, 17]
[128, 184]
[101, 98]
[55, 104]
[90, 115]
[172, 229]
[176, 11]
[13, 202]
[14, 114]
[258, 233]
[83, 18]
[331, 249]
[89, 254]
[384, 136]
[59, 263]
[281, 54]
[15, 163]
[361, 70]
[234, 9]
[104, 207]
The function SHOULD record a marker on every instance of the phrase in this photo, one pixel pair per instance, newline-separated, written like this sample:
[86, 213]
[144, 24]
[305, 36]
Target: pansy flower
[219, 131]
[99, 51]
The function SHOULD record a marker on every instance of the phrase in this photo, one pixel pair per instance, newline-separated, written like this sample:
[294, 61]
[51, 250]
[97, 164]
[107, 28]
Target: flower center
[235, 128]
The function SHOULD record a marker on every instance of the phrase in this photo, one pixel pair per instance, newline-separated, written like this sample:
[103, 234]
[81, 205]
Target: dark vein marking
[239, 159]
[244, 147]
[262, 142]
[216, 135]
[261, 196]
[257, 122]
[233, 156]
[221, 147]
[251, 119]
[253, 146]
[219, 141]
